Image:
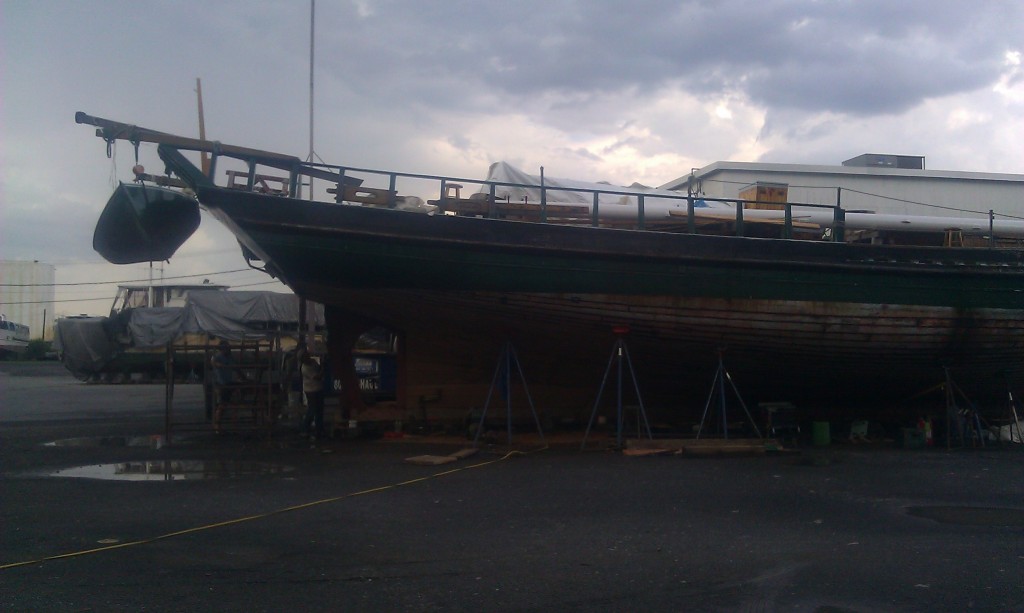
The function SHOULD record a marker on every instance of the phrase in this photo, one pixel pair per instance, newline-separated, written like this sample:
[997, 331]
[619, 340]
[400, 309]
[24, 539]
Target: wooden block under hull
[431, 460]
[705, 446]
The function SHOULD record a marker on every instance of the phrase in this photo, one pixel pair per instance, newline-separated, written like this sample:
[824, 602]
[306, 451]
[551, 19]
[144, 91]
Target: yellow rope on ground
[290, 509]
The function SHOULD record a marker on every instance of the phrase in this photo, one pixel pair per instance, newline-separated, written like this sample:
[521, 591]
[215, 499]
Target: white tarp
[623, 204]
[1010, 433]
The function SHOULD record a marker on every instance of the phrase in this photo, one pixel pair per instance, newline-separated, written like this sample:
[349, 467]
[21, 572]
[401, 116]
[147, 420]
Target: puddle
[171, 470]
[155, 441]
[971, 516]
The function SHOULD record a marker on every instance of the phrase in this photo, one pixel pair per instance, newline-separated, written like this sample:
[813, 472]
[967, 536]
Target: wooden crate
[765, 193]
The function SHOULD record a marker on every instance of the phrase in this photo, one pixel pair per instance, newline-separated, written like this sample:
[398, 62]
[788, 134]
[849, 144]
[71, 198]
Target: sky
[638, 91]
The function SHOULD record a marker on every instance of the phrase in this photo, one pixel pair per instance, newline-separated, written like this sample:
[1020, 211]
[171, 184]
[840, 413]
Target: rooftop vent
[879, 160]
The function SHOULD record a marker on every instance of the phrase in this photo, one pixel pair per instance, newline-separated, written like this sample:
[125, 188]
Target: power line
[108, 298]
[147, 280]
[257, 284]
[177, 256]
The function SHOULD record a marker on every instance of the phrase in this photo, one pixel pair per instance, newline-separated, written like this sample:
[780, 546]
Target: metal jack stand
[1015, 424]
[968, 421]
[718, 384]
[619, 351]
[504, 367]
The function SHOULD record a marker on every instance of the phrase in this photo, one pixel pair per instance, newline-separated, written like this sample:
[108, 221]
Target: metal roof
[848, 171]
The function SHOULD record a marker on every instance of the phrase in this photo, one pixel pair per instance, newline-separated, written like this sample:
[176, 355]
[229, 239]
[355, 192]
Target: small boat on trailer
[829, 322]
[103, 349]
[14, 337]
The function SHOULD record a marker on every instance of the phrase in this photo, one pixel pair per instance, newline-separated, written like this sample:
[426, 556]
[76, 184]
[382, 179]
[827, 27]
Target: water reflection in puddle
[155, 441]
[171, 470]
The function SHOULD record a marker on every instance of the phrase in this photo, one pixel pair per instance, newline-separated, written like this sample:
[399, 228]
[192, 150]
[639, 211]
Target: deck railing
[341, 177]
[345, 177]
[545, 206]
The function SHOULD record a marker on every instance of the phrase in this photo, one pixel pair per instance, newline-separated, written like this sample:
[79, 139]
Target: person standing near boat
[225, 376]
[224, 370]
[313, 387]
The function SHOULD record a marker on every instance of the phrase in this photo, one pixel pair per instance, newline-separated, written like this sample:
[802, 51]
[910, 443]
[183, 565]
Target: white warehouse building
[880, 183]
[27, 295]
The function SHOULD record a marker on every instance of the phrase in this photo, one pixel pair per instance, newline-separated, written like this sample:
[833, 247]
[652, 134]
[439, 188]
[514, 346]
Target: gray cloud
[860, 58]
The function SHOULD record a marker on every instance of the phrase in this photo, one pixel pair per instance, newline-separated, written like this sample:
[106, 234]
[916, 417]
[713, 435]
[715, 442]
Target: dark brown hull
[830, 325]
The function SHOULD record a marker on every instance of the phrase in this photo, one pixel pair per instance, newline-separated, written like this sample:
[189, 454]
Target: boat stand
[718, 385]
[620, 354]
[967, 421]
[1015, 424]
[506, 361]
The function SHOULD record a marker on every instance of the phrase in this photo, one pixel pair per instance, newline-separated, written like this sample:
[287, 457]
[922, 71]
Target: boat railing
[736, 216]
[804, 220]
[680, 216]
[346, 184]
[682, 219]
[797, 218]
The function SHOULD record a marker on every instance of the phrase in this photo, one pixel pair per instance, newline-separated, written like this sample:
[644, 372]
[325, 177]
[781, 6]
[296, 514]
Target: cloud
[858, 58]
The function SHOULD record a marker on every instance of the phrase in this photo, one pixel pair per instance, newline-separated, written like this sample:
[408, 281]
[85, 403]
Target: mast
[312, 44]
[303, 306]
[205, 157]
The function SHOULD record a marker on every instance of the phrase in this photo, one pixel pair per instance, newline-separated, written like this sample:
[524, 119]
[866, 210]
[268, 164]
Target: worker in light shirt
[313, 388]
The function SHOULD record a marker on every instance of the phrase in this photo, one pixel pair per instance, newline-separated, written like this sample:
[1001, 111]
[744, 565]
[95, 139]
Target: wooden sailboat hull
[797, 320]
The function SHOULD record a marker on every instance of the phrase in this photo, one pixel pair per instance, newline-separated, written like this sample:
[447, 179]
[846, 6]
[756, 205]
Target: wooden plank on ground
[723, 446]
[645, 452]
[464, 453]
[709, 446]
[431, 460]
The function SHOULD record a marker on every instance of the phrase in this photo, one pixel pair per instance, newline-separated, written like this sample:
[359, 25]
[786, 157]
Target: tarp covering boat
[1009, 433]
[83, 343]
[660, 203]
[229, 315]
[574, 192]
[87, 344]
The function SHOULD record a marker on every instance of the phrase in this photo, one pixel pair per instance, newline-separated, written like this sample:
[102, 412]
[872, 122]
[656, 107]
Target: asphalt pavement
[351, 526]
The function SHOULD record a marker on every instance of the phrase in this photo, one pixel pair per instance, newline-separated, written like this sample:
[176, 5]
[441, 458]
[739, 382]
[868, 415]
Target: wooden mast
[205, 157]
